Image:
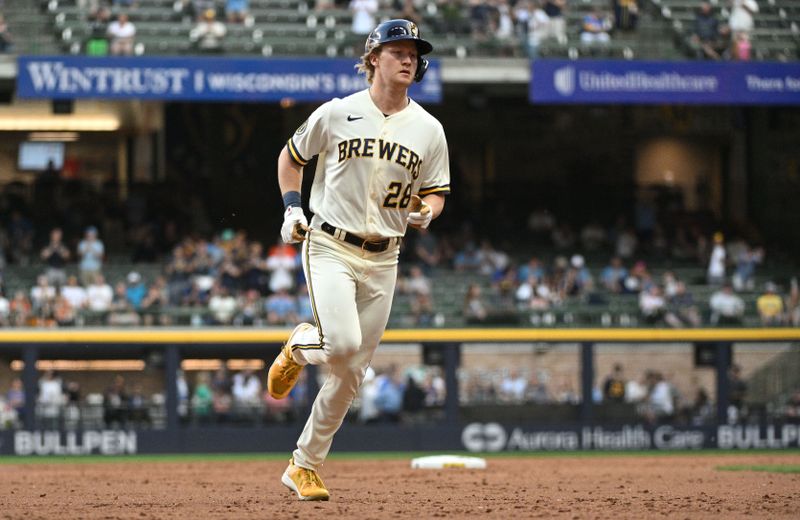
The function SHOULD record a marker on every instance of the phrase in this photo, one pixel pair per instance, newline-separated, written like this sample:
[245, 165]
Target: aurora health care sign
[496, 437]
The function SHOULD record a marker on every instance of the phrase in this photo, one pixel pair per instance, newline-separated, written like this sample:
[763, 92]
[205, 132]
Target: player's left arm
[436, 203]
[435, 184]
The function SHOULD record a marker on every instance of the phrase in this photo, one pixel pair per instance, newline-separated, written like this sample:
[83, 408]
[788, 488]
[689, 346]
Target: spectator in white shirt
[513, 387]
[716, 263]
[741, 18]
[538, 31]
[222, 305]
[246, 389]
[74, 293]
[209, 33]
[726, 307]
[5, 310]
[42, 294]
[417, 282]
[660, 400]
[99, 294]
[363, 15]
[121, 32]
[50, 399]
[652, 305]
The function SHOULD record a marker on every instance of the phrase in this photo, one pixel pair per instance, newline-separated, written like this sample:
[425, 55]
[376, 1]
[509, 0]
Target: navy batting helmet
[397, 30]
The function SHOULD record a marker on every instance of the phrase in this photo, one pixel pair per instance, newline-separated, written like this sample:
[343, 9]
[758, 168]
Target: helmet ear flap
[422, 67]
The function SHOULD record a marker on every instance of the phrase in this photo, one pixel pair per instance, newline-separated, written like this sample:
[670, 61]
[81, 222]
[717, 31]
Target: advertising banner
[496, 437]
[477, 437]
[643, 82]
[201, 79]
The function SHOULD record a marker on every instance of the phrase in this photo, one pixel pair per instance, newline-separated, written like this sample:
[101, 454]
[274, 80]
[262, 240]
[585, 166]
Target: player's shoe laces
[305, 482]
[285, 371]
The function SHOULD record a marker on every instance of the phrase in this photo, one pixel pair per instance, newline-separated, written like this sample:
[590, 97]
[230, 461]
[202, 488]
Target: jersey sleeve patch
[299, 159]
[443, 190]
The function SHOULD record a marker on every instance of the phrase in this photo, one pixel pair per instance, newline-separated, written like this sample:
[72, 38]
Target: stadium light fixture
[76, 123]
[189, 365]
[57, 137]
[69, 365]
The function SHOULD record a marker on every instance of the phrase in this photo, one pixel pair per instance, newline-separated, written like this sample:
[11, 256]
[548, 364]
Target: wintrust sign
[199, 79]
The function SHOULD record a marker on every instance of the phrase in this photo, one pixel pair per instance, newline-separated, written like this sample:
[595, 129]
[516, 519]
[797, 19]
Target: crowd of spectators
[715, 39]
[511, 27]
[720, 30]
[391, 396]
[652, 396]
[221, 397]
[194, 277]
[113, 33]
[228, 280]
[503, 286]
[218, 397]
[527, 24]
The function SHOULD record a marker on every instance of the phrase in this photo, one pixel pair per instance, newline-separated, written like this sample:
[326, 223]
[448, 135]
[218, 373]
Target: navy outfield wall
[472, 437]
[452, 433]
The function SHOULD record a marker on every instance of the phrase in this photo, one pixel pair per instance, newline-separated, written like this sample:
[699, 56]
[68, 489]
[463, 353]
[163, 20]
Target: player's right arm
[290, 174]
[290, 179]
[309, 140]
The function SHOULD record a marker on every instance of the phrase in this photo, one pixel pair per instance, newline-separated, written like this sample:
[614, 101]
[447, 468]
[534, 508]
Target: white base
[448, 461]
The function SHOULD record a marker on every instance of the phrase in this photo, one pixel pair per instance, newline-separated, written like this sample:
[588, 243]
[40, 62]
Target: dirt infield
[673, 486]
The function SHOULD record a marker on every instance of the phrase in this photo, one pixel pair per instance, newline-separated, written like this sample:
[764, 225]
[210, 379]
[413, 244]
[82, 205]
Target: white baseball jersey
[370, 164]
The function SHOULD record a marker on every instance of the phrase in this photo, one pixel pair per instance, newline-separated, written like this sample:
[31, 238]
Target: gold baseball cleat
[285, 371]
[305, 482]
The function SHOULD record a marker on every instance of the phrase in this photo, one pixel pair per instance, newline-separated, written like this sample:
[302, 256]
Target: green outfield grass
[771, 468]
[403, 455]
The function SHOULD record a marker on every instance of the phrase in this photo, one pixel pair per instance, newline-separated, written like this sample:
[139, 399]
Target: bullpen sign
[643, 82]
[201, 79]
[103, 442]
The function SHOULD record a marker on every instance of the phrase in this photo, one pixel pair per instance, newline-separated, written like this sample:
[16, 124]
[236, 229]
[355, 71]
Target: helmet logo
[413, 28]
[397, 31]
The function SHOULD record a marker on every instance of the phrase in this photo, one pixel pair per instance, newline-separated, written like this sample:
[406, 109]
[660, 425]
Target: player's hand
[421, 214]
[295, 225]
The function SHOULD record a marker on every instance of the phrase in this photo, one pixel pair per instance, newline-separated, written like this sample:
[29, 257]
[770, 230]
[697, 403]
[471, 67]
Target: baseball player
[383, 165]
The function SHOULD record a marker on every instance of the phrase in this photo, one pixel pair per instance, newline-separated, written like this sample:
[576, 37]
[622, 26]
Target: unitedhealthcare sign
[200, 79]
[709, 83]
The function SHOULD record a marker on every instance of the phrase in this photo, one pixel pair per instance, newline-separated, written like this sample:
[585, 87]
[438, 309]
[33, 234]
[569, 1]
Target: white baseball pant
[351, 293]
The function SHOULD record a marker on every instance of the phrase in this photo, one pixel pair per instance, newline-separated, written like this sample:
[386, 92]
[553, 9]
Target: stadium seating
[602, 309]
[611, 310]
[294, 28]
[776, 35]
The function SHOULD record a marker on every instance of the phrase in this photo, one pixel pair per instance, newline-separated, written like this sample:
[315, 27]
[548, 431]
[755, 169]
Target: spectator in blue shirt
[136, 290]
[613, 275]
[281, 308]
[236, 10]
[532, 268]
[304, 310]
[389, 399]
[91, 251]
[595, 28]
